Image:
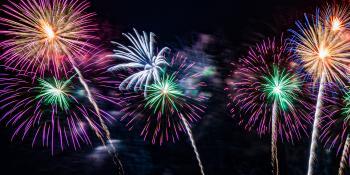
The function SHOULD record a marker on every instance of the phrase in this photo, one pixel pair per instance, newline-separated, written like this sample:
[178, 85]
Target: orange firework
[43, 34]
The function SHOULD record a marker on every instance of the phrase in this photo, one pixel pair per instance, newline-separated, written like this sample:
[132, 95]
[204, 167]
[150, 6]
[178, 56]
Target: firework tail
[313, 147]
[344, 156]
[193, 143]
[274, 155]
[112, 152]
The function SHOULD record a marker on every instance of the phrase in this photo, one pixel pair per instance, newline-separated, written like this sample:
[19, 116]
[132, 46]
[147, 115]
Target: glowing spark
[336, 16]
[163, 94]
[50, 34]
[281, 87]
[55, 92]
[323, 53]
[336, 24]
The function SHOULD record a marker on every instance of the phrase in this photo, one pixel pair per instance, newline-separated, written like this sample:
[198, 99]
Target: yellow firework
[323, 49]
[44, 34]
[336, 17]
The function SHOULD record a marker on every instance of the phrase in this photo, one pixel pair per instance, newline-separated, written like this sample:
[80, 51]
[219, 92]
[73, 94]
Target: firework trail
[274, 150]
[171, 104]
[315, 126]
[116, 160]
[324, 51]
[139, 56]
[45, 35]
[97, 55]
[193, 143]
[267, 87]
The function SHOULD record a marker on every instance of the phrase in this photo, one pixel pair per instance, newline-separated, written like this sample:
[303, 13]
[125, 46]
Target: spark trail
[315, 131]
[193, 143]
[274, 151]
[114, 154]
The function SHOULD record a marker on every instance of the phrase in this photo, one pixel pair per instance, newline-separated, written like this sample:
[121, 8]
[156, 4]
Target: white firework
[140, 56]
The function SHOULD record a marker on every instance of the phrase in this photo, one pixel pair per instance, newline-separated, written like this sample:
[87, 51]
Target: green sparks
[54, 92]
[163, 94]
[346, 108]
[281, 86]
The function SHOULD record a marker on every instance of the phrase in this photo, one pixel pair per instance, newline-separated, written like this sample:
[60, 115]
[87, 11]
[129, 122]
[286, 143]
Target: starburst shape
[163, 94]
[55, 92]
[281, 87]
[43, 35]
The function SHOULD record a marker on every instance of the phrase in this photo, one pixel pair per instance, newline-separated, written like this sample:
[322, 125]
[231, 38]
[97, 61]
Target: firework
[336, 17]
[54, 110]
[267, 88]
[54, 92]
[335, 122]
[324, 52]
[140, 55]
[171, 105]
[175, 95]
[164, 95]
[46, 34]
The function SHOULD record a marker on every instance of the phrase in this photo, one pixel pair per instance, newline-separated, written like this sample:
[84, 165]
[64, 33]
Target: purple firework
[266, 93]
[54, 110]
[247, 95]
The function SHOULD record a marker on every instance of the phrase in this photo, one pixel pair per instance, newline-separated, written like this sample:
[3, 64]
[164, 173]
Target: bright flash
[323, 53]
[48, 30]
[277, 89]
[336, 24]
[165, 89]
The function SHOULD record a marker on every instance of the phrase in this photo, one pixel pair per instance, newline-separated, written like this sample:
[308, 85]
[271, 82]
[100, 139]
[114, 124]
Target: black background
[225, 147]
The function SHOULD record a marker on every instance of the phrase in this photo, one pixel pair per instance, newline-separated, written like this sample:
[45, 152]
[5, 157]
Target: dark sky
[225, 147]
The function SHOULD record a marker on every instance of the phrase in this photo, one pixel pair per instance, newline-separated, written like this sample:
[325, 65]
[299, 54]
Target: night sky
[231, 26]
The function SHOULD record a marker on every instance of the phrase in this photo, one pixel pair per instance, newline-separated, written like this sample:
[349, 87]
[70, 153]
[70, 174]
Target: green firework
[282, 87]
[54, 92]
[346, 108]
[163, 94]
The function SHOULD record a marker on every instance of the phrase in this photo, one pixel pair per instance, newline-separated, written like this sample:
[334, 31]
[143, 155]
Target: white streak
[274, 153]
[116, 160]
[313, 147]
[189, 132]
[344, 155]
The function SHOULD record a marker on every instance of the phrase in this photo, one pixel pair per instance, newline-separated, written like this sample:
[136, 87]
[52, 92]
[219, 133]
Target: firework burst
[336, 17]
[54, 110]
[46, 34]
[266, 88]
[173, 97]
[324, 50]
[172, 103]
[140, 55]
